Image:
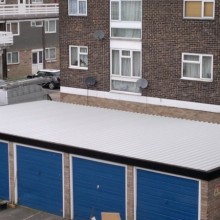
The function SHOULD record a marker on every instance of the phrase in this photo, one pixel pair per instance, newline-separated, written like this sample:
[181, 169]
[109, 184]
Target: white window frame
[49, 58]
[77, 13]
[202, 12]
[47, 24]
[11, 62]
[125, 78]
[200, 65]
[10, 28]
[34, 23]
[78, 56]
[119, 24]
[119, 2]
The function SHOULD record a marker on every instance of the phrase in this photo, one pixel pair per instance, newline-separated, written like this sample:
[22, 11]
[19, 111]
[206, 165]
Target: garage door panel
[179, 198]
[4, 171]
[40, 179]
[161, 196]
[97, 187]
[170, 183]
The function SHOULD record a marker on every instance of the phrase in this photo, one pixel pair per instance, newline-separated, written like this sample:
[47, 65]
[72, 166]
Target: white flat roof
[179, 142]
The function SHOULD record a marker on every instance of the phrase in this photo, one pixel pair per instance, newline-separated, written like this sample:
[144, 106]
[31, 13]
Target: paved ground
[23, 213]
[54, 94]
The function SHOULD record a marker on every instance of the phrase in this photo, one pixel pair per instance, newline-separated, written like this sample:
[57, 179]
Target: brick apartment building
[172, 45]
[34, 25]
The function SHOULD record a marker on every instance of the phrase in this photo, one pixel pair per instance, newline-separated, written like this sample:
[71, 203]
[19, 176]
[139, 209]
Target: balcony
[12, 11]
[6, 39]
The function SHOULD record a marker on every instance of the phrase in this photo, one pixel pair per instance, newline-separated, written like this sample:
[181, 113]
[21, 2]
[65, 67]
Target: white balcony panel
[28, 9]
[6, 38]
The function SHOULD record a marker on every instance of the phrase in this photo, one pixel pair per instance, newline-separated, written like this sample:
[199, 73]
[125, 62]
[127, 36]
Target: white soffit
[179, 142]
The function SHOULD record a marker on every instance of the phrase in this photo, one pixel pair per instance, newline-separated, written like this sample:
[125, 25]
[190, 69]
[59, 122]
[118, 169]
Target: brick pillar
[214, 199]
[130, 193]
[67, 191]
[12, 178]
[204, 200]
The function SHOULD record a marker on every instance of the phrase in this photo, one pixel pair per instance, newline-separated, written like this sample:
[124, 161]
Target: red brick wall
[166, 35]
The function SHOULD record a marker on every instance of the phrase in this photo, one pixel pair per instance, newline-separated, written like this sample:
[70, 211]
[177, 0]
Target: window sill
[125, 93]
[78, 15]
[199, 80]
[51, 61]
[13, 63]
[79, 68]
[198, 18]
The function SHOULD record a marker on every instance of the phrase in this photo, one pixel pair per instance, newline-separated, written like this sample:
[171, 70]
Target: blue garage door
[164, 197]
[4, 172]
[39, 176]
[97, 187]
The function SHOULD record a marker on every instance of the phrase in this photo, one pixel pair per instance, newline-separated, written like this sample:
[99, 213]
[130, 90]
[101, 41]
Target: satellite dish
[142, 83]
[90, 81]
[99, 35]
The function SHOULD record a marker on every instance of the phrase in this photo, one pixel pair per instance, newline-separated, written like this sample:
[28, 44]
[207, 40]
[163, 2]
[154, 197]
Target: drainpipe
[43, 44]
[4, 60]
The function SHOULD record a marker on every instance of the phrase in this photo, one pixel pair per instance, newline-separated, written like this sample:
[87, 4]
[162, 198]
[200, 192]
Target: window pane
[191, 70]
[114, 10]
[40, 56]
[83, 61]
[82, 7]
[52, 53]
[14, 28]
[130, 10]
[8, 28]
[193, 9]
[125, 53]
[126, 67]
[125, 86]
[72, 6]
[83, 50]
[208, 9]
[9, 60]
[52, 26]
[115, 62]
[136, 63]
[14, 57]
[191, 57]
[74, 57]
[206, 67]
[34, 58]
[125, 32]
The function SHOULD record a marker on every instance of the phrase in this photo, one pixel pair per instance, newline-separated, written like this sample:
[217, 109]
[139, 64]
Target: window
[125, 70]
[126, 10]
[12, 58]
[2, 1]
[78, 57]
[126, 18]
[36, 1]
[50, 26]
[197, 66]
[126, 33]
[50, 53]
[13, 27]
[199, 9]
[77, 7]
[36, 23]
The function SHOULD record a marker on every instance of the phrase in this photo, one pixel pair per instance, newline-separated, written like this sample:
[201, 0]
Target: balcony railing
[28, 10]
[6, 39]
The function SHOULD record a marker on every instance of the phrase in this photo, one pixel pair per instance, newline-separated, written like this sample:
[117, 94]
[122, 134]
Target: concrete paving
[24, 213]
